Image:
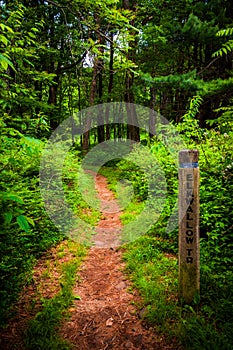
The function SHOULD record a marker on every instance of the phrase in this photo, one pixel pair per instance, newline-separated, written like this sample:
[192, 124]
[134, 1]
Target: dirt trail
[109, 227]
[106, 317]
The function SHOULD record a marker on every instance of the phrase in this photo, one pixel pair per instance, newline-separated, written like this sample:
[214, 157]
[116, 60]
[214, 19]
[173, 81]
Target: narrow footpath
[108, 314]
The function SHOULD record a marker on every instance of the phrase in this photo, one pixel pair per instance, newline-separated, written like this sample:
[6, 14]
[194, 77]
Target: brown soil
[108, 314]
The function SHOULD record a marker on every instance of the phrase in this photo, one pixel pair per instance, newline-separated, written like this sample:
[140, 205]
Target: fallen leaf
[72, 309]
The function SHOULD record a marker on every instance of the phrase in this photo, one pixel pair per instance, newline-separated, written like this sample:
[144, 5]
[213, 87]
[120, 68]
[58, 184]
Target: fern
[190, 125]
[228, 46]
[225, 32]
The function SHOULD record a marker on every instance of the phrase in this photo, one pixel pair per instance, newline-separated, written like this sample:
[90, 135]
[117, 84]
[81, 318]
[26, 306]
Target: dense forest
[174, 57]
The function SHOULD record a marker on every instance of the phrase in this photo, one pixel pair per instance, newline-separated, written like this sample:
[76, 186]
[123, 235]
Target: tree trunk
[152, 112]
[100, 128]
[132, 130]
[110, 86]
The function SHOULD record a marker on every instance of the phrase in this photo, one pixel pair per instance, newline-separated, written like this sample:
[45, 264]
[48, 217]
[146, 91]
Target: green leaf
[32, 35]
[77, 297]
[8, 218]
[31, 221]
[3, 39]
[3, 26]
[23, 223]
[32, 140]
[30, 63]
[5, 62]
[11, 196]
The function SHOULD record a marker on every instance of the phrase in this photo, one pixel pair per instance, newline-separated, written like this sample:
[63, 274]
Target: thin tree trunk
[133, 132]
[110, 86]
[100, 128]
[152, 112]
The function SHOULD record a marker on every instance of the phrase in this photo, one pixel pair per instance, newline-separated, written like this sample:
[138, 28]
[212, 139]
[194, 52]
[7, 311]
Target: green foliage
[215, 147]
[75, 181]
[5, 62]
[145, 183]
[154, 274]
[147, 177]
[227, 46]
[207, 323]
[216, 189]
[25, 230]
[189, 126]
[183, 81]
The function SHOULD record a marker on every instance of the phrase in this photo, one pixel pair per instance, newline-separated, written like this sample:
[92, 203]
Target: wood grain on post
[189, 245]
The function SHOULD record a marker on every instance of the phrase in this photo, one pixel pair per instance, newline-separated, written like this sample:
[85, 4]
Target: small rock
[142, 313]
[121, 285]
[138, 340]
[128, 345]
[109, 322]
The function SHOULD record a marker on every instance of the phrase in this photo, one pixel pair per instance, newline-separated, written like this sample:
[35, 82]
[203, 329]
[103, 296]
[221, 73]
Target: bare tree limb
[210, 64]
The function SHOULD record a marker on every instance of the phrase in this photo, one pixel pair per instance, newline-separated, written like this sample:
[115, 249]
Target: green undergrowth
[152, 263]
[155, 274]
[206, 324]
[42, 332]
[26, 229]
[130, 206]
[79, 188]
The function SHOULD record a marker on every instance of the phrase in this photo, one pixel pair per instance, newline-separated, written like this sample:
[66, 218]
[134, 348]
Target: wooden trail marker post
[189, 245]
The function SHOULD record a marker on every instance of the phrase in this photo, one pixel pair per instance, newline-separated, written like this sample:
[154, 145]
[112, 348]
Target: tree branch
[74, 64]
[210, 64]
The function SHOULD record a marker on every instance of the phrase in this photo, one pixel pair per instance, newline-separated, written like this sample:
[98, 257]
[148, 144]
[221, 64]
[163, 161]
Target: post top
[188, 156]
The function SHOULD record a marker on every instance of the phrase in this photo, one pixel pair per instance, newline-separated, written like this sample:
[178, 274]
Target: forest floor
[108, 312]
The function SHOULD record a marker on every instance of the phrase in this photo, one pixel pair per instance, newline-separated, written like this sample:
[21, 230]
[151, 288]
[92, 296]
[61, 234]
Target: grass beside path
[42, 331]
[205, 325]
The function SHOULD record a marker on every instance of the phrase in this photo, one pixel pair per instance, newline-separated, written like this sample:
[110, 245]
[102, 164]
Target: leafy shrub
[26, 230]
